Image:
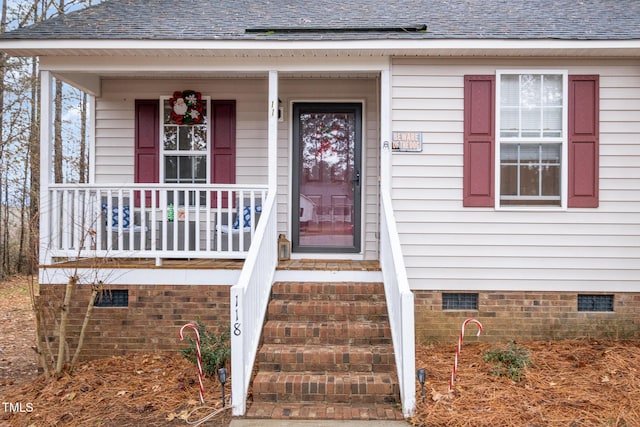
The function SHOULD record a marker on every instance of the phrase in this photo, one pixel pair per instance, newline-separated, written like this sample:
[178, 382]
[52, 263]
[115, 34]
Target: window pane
[551, 181]
[509, 122]
[510, 90]
[170, 138]
[552, 93]
[199, 138]
[171, 168]
[531, 122]
[529, 153]
[550, 159]
[529, 180]
[530, 90]
[200, 169]
[552, 122]
[185, 169]
[509, 153]
[509, 181]
[184, 141]
[551, 153]
[167, 112]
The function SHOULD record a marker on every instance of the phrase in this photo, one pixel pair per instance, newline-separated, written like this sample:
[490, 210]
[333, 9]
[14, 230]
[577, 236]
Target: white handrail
[400, 304]
[152, 220]
[249, 300]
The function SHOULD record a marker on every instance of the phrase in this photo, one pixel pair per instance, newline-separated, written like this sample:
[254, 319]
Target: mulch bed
[132, 390]
[570, 383]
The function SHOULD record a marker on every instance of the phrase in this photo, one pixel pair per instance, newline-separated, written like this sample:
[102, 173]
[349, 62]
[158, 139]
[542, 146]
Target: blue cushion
[114, 216]
[246, 216]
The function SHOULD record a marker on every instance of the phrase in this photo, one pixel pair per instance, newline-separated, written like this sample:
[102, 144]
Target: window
[546, 149]
[185, 148]
[531, 118]
[112, 298]
[151, 119]
[588, 302]
[459, 301]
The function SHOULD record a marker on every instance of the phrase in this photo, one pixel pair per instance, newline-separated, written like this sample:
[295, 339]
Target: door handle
[356, 178]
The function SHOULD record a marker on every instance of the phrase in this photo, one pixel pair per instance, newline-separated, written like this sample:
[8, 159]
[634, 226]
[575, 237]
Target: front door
[327, 152]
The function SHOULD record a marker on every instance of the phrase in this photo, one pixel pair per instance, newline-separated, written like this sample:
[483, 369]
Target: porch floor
[218, 264]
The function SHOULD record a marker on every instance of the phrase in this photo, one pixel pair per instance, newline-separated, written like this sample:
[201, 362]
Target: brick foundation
[150, 323]
[526, 316]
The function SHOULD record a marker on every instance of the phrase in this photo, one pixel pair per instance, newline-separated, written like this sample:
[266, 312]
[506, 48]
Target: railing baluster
[132, 216]
[196, 219]
[142, 196]
[208, 234]
[218, 220]
[240, 216]
[230, 204]
[120, 222]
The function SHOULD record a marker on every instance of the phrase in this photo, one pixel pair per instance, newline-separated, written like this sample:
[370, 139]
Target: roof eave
[371, 47]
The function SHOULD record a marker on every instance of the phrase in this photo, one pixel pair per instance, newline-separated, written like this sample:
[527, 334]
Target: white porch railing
[249, 299]
[399, 304]
[151, 220]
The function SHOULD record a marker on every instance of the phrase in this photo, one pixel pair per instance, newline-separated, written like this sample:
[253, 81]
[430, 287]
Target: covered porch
[117, 217]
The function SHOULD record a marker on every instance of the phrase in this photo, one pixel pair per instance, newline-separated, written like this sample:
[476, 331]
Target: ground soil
[569, 383]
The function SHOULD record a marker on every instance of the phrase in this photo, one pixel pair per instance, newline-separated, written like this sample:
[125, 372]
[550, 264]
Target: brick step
[322, 359]
[333, 291]
[318, 311]
[323, 411]
[326, 333]
[335, 387]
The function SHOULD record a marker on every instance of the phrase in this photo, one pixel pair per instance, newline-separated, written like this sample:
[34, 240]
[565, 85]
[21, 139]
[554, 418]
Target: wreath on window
[186, 108]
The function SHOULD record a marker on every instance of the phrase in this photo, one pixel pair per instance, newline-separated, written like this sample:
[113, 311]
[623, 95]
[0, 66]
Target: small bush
[509, 362]
[214, 349]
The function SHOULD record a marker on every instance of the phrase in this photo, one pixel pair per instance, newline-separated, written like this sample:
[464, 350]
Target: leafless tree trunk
[3, 60]
[95, 289]
[24, 235]
[57, 134]
[83, 172]
[64, 321]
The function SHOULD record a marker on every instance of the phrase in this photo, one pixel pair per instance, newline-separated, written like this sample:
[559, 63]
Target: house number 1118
[236, 326]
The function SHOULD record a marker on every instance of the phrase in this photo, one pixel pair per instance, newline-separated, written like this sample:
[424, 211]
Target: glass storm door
[326, 177]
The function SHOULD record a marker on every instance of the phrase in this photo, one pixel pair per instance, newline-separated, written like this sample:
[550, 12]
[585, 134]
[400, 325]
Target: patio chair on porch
[130, 223]
[234, 229]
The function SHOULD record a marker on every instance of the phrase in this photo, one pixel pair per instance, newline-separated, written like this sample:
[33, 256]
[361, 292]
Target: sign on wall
[407, 141]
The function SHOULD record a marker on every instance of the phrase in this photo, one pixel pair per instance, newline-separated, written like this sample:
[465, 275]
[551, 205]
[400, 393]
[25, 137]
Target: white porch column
[273, 131]
[385, 129]
[46, 147]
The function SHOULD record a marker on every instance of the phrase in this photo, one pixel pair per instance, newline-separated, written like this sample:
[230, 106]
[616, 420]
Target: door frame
[358, 107]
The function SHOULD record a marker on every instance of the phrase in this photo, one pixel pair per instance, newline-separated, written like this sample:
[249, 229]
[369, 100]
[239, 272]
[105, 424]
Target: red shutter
[479, 141]
[147, 141]
[223, 143]
[584, 131]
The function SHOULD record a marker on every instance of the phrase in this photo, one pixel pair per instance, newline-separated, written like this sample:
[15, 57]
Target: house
[479, 158]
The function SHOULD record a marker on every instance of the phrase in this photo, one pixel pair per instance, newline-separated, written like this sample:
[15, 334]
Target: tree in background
[20, 137]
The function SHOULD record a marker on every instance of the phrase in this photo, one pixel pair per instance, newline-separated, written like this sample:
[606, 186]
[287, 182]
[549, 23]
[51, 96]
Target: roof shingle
[445, 19]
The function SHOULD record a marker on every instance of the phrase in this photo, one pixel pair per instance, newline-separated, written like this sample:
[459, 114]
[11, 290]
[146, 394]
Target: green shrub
[509, 362]
[214, 349]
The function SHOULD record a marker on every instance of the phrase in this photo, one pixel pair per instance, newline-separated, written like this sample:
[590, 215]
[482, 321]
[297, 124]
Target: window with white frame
[185, 147]
[532, 137]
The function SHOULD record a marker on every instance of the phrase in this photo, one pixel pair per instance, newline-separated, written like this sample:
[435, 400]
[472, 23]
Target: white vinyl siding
[449, 247]
[115, 123]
